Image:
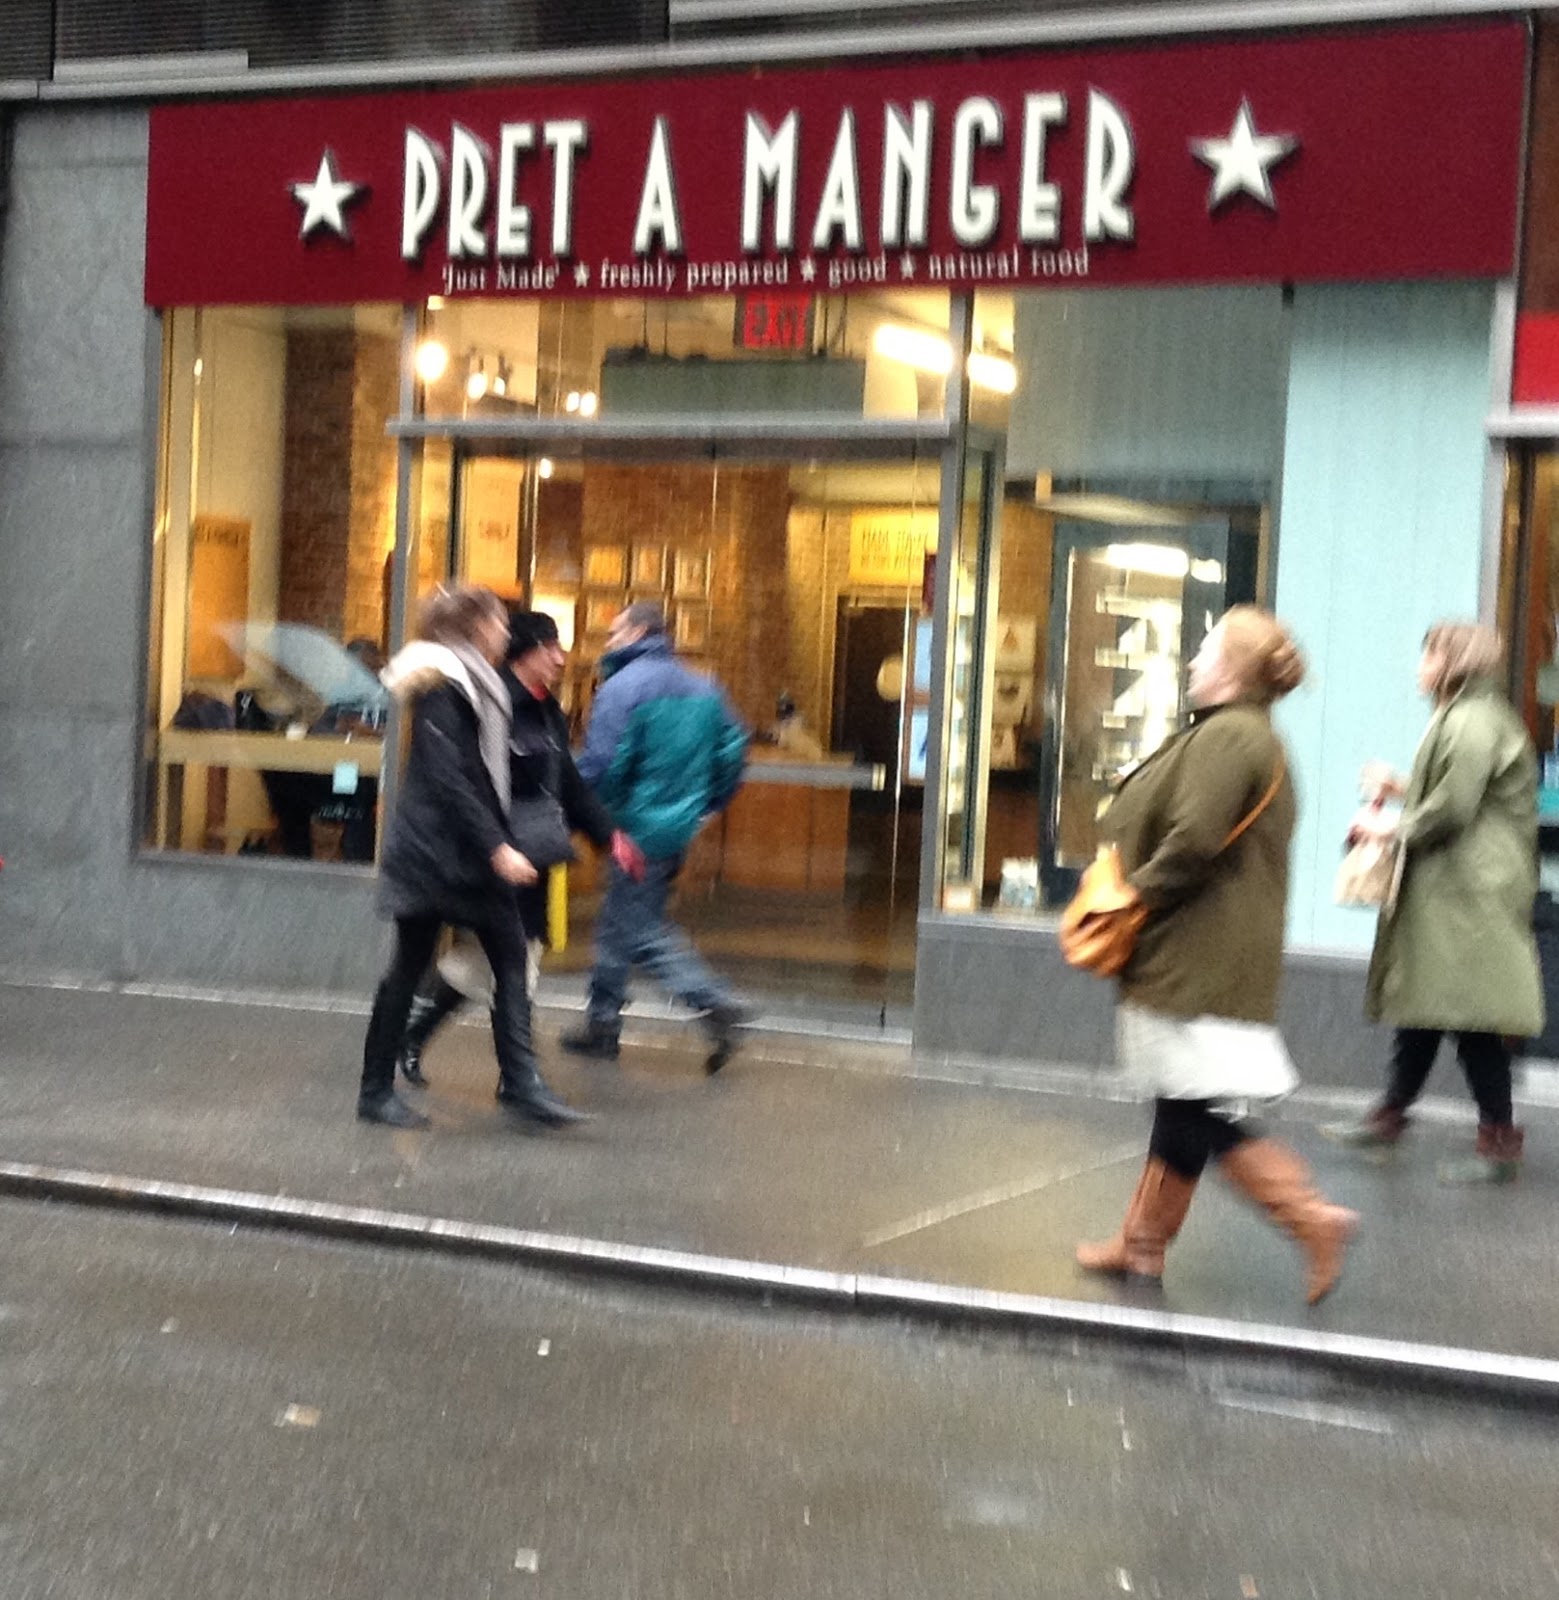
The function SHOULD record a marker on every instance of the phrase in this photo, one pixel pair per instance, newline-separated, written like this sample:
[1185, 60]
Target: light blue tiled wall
[1380, 535]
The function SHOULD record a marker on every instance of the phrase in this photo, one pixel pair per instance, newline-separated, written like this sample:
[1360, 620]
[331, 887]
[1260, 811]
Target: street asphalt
[193, 1411]
[819, 1156]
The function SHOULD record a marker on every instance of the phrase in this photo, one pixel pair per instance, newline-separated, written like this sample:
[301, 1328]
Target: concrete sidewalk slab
[783, 1159]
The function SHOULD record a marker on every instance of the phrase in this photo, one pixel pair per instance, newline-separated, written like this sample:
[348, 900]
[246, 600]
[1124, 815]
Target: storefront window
[801, 586]
[275, 526]
[808, 355]
[1139, 443]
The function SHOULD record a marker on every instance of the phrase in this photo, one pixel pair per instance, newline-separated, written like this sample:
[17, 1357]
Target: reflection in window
[1143, 442]
[860, 356]
[271, 570]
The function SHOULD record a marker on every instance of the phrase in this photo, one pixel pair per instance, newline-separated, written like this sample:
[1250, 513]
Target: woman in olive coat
[1455, 953]
[1204, 828]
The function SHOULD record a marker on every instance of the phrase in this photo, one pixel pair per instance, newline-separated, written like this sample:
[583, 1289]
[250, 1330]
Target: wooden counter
[789, 828]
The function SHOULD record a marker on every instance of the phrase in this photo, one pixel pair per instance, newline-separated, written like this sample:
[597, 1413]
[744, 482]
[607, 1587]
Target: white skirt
[1202, 1058]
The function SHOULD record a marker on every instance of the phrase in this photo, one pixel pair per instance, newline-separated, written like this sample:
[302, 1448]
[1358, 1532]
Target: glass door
[1129, 608]
[800, 585]
[971, 575]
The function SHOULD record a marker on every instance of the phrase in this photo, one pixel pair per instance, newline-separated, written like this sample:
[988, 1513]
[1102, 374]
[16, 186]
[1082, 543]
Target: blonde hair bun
[1262, 653]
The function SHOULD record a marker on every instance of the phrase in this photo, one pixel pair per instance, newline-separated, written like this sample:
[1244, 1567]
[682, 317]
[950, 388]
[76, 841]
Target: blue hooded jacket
[664, 748]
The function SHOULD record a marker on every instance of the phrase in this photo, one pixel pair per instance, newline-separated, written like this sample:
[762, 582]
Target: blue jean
[633, 930]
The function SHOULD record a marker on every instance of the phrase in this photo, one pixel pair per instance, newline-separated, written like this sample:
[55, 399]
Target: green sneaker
[1496, 1158]
[1477, 1169]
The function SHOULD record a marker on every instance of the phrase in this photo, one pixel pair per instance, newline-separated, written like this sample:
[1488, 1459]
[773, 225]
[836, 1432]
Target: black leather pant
[416, 938]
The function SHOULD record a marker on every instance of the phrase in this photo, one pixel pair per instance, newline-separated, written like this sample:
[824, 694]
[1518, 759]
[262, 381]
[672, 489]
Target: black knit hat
[528, 630]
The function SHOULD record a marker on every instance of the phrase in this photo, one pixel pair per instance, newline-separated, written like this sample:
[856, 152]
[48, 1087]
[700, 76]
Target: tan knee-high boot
[1152, 1220]
[1279, 1181]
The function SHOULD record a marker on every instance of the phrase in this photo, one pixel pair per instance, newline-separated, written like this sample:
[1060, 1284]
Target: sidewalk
[802, 1154]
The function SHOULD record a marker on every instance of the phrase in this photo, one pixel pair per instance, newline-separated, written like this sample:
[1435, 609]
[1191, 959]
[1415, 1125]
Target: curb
[1439, 1367]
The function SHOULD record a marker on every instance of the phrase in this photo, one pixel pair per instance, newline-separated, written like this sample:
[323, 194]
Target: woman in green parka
[1455, 953]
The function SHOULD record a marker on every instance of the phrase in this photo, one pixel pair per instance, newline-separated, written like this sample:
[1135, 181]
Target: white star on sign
[582, 275]
[808, 270]
[906, 266]
[1240, 162]
[323, 199]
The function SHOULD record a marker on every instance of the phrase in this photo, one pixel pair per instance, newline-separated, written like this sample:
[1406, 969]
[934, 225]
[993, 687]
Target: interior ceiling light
[476, 377]
[992, 372]
[589, 403]
[544, 467]
[432, 360]
[932, 352]
[503, 377]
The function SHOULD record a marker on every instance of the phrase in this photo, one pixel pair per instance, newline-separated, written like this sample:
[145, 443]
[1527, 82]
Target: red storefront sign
[1381, 154]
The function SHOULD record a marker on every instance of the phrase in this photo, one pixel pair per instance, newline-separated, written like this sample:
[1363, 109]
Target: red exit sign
[774, 322]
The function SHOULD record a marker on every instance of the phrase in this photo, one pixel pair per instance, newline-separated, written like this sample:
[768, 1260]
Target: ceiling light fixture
[432, 360]
[931, 352]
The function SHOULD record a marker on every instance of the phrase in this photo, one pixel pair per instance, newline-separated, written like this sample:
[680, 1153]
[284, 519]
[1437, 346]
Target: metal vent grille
[24, 39]
[295, 33]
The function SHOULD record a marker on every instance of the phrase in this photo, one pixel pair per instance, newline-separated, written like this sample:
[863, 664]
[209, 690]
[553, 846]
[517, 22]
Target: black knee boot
[521, 1087]
[428, 1011]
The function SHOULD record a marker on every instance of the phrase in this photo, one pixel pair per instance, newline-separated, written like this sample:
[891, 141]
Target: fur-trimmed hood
[423, 666]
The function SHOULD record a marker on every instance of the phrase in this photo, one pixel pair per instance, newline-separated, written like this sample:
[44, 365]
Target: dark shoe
[428, 1011]
[390, 1110]
[1496, 1158]
[600, 1044]
[1153, 1218]
[539, 1104]
[723, 1023]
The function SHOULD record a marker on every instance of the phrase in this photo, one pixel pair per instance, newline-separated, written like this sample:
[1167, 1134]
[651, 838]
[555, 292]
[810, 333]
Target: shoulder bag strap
[1254, 816]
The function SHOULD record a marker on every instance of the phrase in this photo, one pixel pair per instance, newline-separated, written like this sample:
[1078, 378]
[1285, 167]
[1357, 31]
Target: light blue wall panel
[1380, 536]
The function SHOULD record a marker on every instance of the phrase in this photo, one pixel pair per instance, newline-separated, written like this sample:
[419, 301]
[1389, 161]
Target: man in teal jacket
[664, 751]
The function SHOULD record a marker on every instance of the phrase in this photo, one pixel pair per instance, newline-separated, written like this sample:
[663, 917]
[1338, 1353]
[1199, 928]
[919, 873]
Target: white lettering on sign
[839, 211]
[467, 194]
[1039, 202]
[658, 212]
[906, 176]
[490, 218]
[515, 140]
[565, 140]
[976, 207]
[1112, 163]
[421, 194]
[769, 167]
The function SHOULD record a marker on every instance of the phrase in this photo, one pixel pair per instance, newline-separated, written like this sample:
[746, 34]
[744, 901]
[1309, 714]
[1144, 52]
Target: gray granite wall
[79, 370]
[997, 989]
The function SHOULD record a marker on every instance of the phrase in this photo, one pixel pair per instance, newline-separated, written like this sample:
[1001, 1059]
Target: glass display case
[1130, 607]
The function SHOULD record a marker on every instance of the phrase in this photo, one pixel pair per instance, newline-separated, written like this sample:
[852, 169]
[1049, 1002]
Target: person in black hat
[549, 802]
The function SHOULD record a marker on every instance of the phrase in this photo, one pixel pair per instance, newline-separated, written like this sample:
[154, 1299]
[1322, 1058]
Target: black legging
[1485, 1059]
[1188, 1133]
[416, 938]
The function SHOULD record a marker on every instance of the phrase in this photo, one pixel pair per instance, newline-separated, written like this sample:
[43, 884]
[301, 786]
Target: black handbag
[541, 831]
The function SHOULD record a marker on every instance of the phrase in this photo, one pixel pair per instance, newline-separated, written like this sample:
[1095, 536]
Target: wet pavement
[193, 1411]
[833, 1156]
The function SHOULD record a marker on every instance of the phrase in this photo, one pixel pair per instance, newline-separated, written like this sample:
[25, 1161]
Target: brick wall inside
[738, 515]
[338, 481]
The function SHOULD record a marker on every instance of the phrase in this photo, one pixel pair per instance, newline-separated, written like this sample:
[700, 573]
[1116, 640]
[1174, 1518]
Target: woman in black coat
[449, 856]
[545, 785]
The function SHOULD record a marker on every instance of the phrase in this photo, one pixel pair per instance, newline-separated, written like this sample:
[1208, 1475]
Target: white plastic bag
[1367, 876]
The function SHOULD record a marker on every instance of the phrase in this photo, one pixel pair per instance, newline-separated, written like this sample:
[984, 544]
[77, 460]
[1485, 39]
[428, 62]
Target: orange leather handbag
[1099, 928]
